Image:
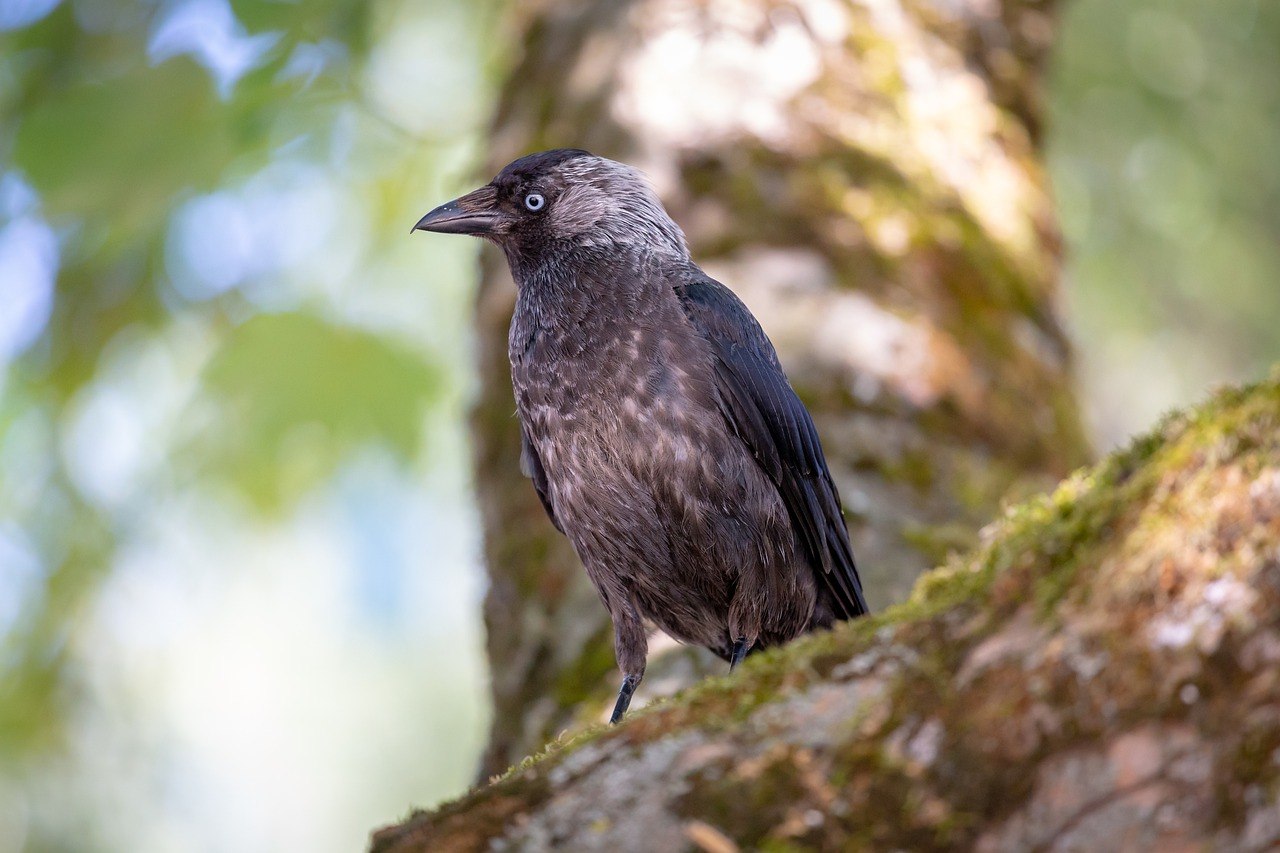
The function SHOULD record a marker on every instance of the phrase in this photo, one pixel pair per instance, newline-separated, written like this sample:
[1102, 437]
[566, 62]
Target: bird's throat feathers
[582, 285]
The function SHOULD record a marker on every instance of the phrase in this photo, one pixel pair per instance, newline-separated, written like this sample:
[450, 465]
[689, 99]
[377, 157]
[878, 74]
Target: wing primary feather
[770, 419]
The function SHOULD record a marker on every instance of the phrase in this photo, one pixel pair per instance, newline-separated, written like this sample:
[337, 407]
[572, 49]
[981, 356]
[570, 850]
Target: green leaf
[126, 144]
[298, 394]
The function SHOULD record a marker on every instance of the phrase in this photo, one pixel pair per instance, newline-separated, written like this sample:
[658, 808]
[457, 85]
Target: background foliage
[237, 553]
[1163, 121]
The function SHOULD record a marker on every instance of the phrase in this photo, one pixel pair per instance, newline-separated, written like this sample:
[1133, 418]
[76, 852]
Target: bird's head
[566, 197]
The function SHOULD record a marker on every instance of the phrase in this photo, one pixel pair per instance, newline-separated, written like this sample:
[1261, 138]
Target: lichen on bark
[1102, 672]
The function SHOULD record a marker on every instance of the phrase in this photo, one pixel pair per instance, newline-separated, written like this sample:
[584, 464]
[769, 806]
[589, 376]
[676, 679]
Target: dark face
[516, 207]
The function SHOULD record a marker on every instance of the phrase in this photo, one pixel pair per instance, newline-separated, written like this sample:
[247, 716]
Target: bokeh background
[239, 560]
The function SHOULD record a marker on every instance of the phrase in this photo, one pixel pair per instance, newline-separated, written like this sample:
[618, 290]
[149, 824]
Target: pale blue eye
[535, 201]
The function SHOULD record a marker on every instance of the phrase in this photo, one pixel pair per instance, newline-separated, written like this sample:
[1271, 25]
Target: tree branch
[1103, 671]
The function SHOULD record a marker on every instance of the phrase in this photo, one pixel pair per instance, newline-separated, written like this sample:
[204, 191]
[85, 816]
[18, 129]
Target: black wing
[531, 467]
[766, 414]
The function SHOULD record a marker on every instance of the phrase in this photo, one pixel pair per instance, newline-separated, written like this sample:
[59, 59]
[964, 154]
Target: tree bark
[866, 176]
[1102, 673]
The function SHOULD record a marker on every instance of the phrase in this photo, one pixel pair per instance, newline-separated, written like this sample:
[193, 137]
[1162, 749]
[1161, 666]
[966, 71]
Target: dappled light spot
[118, 430]
[310, 59]
[418, 77]
[274, 223]
[16, 14]
[28, 267]
[105, 445]
[210, 32]
[242, 647]
[21, 574]
[690, 83]
[211, 246]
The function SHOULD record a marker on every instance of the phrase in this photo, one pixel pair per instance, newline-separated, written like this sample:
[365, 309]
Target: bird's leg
[629, 685]
[745, 618]
[631, 645]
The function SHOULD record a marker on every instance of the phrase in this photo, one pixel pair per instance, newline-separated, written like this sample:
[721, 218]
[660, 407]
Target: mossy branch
[1103, 671]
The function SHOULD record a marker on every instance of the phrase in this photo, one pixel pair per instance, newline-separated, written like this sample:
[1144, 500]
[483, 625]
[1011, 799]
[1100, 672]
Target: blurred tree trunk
[866, 176]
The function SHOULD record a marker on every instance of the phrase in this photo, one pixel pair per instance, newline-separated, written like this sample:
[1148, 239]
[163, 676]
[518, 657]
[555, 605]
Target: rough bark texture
[1101, 673]
[865, 175]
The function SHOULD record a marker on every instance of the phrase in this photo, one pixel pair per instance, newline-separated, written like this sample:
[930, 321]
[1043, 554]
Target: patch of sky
[28, 267]
[16, 14]
[412, 551]
[310, 59]
[422, 76]
[283, 217]
[210, 33]
[21, 577]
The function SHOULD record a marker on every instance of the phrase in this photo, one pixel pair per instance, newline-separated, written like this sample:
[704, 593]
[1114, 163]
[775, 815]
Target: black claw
[629, 684]
[740, 649]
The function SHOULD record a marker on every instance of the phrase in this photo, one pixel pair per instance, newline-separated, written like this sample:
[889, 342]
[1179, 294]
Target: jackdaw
[657, 425]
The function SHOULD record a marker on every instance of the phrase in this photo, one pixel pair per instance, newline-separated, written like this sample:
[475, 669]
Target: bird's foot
[740, 648]
[629, 684]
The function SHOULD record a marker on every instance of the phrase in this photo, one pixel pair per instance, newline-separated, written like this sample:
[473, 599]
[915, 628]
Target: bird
[656, 422]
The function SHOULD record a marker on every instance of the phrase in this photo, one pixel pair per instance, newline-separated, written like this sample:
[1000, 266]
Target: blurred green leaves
[299, 394]
[1164, 129]
[93, 148]
[113, 137]
[124, 116]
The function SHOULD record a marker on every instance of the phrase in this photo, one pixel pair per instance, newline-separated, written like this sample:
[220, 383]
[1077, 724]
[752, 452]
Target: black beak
[474, 213]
